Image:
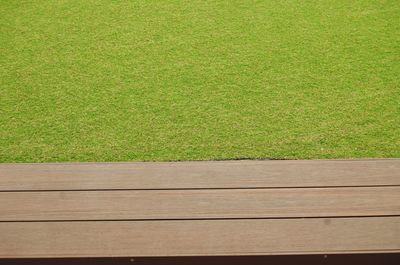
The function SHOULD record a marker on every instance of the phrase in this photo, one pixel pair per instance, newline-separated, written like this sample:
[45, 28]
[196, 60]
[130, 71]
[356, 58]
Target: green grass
[103, 80]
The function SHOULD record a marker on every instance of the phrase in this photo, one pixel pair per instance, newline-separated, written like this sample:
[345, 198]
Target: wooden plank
[198, 204]
[182, 175]
[199, 237]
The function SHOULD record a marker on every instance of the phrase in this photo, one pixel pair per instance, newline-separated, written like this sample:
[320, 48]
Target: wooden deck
[199, 208]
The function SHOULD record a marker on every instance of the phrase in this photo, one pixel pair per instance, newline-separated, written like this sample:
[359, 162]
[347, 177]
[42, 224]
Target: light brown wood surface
[199, 208]
[189, 175]
[199, 204]
[200, 237]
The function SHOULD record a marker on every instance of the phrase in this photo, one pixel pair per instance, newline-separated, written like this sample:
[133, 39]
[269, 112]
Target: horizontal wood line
[200, 204]
[343, 251]
[222, 174]
[227, 188]
[199, 219]
[222, 254]
[199, 238]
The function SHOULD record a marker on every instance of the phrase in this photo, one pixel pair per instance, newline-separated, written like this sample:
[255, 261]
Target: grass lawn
[102, 80]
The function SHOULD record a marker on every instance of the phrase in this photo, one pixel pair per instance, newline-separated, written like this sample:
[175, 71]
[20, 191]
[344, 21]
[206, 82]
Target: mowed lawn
[102, 80]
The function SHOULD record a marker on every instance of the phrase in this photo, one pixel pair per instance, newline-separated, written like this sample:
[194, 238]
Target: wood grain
[183, 175]
[201, 237]
[197, 204]
[199, 208]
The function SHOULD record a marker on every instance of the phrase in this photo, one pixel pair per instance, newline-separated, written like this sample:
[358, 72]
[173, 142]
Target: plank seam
[232, 188]
[200, 219]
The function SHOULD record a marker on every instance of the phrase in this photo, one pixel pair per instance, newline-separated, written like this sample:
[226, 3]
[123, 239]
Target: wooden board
[199, 204]
[190, 175]
[199, 208]
[199, 237]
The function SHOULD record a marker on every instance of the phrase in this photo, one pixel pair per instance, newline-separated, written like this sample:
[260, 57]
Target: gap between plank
[199, 219]
[233, 188]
